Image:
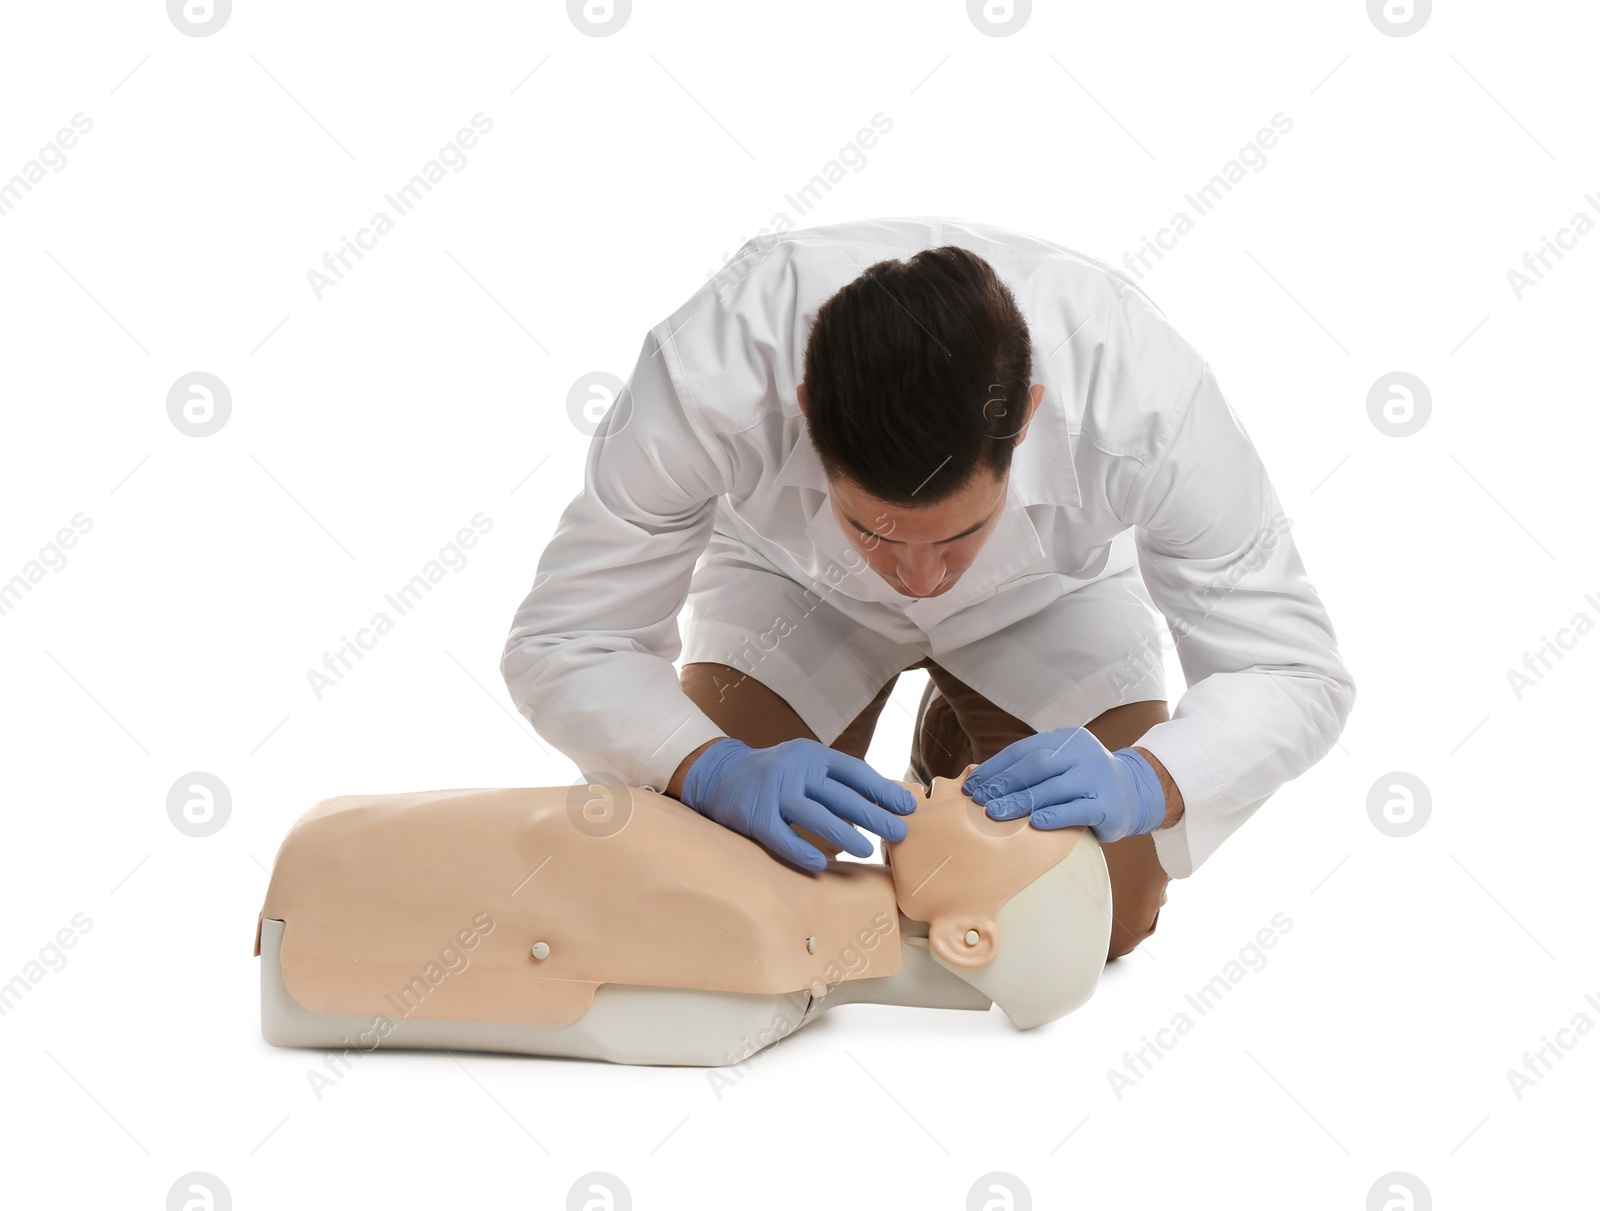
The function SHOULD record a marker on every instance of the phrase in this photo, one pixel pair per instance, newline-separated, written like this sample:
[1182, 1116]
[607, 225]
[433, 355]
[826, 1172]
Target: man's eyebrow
[952, 538]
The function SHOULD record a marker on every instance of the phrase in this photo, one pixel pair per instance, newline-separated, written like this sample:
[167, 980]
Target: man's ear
[1035, 396]
[800, 397]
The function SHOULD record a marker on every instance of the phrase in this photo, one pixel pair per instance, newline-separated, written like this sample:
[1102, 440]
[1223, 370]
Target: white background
[430, 384]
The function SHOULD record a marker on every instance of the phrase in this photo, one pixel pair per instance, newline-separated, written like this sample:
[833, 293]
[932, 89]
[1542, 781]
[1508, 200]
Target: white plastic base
[626, 1024]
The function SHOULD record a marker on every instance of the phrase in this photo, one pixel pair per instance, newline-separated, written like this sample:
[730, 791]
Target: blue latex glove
[760, 792]
[1067, 777]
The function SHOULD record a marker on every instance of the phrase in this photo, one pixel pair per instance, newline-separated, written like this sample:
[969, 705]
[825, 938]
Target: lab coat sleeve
[589, 657]
[1267, 691]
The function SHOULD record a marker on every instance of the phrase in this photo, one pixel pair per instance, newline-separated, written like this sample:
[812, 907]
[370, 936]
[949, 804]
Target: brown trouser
[956, 726]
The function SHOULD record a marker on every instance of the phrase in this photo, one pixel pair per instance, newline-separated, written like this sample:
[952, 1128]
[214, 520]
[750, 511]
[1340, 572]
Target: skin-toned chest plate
[435, 905]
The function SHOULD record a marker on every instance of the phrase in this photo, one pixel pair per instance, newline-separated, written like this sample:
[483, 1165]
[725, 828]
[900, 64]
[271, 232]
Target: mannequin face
[922, 552]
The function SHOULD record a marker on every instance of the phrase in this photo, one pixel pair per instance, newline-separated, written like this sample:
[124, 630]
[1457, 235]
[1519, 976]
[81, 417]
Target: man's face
[921, 552]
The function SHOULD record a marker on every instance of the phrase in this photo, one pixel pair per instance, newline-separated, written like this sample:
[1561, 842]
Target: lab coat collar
[1043, 471]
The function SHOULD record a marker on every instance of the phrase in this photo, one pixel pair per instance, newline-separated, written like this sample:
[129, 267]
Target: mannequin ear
[948, 938]
[800, 397]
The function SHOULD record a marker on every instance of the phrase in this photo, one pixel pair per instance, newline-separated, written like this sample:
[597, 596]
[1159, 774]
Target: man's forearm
[1169, 788]
[675, 787]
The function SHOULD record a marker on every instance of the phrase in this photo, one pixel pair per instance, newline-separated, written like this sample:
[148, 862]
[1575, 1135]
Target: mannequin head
[1023, 914]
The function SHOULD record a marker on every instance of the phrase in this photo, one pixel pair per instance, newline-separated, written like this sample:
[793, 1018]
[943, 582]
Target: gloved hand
[760, 792]
[1067, 777]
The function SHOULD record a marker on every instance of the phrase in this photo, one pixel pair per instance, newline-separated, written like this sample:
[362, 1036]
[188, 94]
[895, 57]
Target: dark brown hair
[917, 373]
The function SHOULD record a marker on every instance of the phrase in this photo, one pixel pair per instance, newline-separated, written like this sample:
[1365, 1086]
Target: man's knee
[1138, 880]
[1127, 937]
[707, 683]
[1138, 890]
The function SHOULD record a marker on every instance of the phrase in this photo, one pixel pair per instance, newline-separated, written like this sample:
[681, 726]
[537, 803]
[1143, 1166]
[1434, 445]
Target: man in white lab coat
[922, 443]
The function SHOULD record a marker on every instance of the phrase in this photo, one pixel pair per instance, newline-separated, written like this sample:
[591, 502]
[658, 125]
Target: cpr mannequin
[618, 924]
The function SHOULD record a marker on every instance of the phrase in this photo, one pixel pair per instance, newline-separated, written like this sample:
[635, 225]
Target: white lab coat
[1135, 488]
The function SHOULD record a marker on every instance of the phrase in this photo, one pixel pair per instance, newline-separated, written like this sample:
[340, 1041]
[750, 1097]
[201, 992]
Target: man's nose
[922, 574]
